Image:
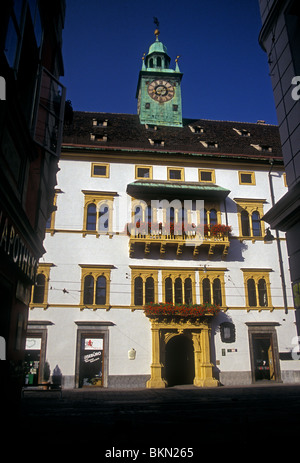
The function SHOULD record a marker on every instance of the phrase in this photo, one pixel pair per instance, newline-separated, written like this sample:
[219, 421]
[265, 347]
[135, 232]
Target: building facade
[158, 269]
[280, 39]
[31, 120]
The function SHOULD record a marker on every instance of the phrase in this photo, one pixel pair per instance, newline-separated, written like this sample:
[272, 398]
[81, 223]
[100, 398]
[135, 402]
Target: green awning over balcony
[154, 189]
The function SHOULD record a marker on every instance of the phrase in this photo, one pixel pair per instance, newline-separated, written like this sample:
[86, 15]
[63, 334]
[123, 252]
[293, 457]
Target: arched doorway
[179, 361]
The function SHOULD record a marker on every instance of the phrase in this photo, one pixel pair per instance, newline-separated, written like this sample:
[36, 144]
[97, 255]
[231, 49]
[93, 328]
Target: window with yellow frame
[257, 288]
[212, 286]
[246, 178]
[175, 173]
[100, 170]
[207, 175]
[250, 212]
[143, 172]
[144, 286]
[98, 212]
[178, 286]
[95, 286]
[50, 224]
[39, 293]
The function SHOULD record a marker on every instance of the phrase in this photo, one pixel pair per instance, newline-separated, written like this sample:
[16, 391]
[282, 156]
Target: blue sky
[225, 72]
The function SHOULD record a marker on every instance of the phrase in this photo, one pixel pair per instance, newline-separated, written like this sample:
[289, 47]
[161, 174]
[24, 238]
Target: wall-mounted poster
[91, 362]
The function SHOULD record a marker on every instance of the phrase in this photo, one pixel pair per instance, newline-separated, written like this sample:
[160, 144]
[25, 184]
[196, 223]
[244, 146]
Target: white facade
[62, 316]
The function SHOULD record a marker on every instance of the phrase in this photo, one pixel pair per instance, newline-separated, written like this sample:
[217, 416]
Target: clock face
[161, 90]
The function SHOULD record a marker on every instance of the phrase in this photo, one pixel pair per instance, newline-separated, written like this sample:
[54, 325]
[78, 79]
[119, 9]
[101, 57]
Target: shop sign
[15, 249]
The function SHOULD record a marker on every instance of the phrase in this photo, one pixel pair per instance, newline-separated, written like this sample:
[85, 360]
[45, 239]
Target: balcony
[212, 238]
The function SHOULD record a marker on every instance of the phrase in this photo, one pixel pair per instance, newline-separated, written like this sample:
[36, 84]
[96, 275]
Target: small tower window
[151, 63]
[158, 61]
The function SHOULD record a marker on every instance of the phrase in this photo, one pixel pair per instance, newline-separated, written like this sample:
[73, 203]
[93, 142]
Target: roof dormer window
[156, 142]
[209, 144]
[99, 138]
[196, 129]
[151, 127]
[263, 148]
[242, 132]
[100, 123]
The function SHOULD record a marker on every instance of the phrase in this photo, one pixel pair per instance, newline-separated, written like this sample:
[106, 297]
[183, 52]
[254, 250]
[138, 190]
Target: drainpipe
[278, 243]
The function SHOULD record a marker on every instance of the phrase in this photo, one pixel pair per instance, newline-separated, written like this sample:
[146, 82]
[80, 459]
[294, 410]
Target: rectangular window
[100, 170]
[175, 173]
[143, 171]
[247, 178]
[206, 175]
[175, 107]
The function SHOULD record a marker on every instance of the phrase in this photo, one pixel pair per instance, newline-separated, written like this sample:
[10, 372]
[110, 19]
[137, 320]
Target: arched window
[138, 291]
[151, 63]
[213, 217]
[206, 290]
[217, 293]
[91, 217]
[245, 223]
[251, 292]
[205, 217]
[149, 290]
[39, 289]
[178, 291]
[256, 229]
[262, 293]
[101, 290]
[88, 290]
[103, 217]
[158, 61]
[188, 291]
[168, 290]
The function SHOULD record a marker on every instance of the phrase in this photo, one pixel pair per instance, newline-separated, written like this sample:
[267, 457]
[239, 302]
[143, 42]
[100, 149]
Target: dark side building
[31, 114]
[280, 39]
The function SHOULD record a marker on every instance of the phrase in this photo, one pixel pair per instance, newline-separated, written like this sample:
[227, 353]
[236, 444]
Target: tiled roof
[203, 137]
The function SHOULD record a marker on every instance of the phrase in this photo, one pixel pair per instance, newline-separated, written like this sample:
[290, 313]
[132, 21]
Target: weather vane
[156, 22]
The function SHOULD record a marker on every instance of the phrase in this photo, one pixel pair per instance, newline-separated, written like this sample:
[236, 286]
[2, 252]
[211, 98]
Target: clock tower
[158, 90]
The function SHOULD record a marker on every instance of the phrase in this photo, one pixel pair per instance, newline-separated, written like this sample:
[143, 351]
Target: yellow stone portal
[199, 330]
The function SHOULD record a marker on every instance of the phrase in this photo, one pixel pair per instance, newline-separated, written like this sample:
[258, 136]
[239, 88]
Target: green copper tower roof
[159, 88]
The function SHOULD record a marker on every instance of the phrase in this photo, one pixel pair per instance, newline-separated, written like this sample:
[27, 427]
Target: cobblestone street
[257, 418]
